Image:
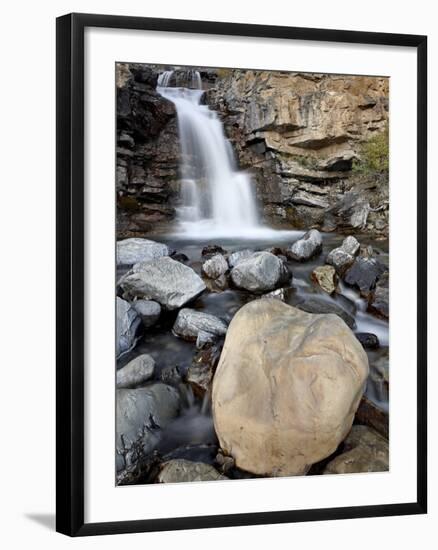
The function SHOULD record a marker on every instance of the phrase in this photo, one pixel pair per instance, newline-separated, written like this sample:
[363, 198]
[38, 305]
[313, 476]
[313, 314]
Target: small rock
[240, 255]
[325, 277]
[260, 272]
[365, 451]
[363, 274]
[179, 470]
[342, 258]
[279, 294]
[203, 338]
[135, 250]
[136, 372]
[171, 376]
[170, 283]
[190, 322]
[217, 285]
[368, 340]
[379, 304]
[307, 247]
[180, 257]
[371, 415]
[128, 327]
[215, 267]
[200, 373]
[319, 305]
[148, 310]
[212, 249]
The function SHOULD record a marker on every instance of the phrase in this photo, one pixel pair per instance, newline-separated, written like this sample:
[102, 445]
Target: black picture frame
[70, 273]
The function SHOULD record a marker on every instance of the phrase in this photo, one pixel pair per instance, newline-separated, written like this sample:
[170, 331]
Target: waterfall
[216, 197]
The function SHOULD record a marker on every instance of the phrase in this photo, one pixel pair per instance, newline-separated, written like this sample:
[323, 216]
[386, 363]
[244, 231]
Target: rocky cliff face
[299, 135]
[147, 151]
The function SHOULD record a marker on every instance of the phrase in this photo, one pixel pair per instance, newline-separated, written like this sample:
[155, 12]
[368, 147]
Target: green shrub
[374, 155]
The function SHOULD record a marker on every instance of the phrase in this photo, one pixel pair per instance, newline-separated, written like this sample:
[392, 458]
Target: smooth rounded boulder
[260, 272]
[286, 388]
[134, 250]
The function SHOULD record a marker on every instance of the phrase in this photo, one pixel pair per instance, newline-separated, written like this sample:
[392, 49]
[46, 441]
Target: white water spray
[217, 198]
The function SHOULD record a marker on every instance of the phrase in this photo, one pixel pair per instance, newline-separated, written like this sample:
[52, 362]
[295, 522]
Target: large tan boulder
[286, 388]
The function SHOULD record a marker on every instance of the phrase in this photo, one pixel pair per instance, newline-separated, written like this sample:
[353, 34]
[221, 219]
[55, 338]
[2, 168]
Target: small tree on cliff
[374, 156]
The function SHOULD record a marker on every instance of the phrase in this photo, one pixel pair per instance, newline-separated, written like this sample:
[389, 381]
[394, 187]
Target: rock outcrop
[299, 135]
[280, 408]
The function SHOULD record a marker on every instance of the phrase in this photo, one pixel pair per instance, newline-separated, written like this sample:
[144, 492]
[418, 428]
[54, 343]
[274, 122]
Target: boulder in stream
[127, 325]
[364, 274]
[325, 276]
[260, 273]
[238, 256]
[342, 258]
[322, 305]
[307, 247]
[180, 470]
[135, 250]
[190, 322]
[170, 283]
[215, 267]
[141, 415]
[136, 372]
[148, 310]
[290, 399]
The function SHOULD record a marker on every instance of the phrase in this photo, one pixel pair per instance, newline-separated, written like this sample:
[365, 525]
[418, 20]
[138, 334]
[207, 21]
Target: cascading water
[216, 197]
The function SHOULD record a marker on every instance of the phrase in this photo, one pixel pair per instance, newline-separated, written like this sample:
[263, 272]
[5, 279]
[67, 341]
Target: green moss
[374, 156]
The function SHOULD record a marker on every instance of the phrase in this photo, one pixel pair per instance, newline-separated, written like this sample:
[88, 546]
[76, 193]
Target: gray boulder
[365, 451]
[132, 251]
[260, 273]
[166, 281]
[127, 326]
[136, 372]
[319, 305]
[140, 414]
[364, 274]
[307, 247]
[342, 258]
[181, 470]
[236, 257]
[148, 310]
[215, 267]
[189, 323]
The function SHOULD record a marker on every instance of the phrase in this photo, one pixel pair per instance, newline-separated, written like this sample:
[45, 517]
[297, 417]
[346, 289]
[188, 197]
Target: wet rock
[363, 274]
[166, 281]
[128, 327]
[279, 294]
[325, 276]
[260, 272]
[217, 285]
[141, 414]
[190, 322]
[171, 375]
[379, 304]
[365, 451]
[215, 267]
[136, 372]
[236, 257]
[180, 470]
[371, 415]
[200, 373]
[368, 340]
[148, 310]
[290, 399]
[225, 463]
[379, 377]
[180, 257]
[307, 247]
[321, 306]
[342, 258]
[212, 250]
[135, 250]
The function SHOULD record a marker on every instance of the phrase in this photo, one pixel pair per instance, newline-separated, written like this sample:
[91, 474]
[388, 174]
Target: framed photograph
[241, 274]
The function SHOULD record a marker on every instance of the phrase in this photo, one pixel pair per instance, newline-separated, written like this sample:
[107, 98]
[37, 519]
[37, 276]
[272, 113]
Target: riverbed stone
[322, 306]
[364, 451]
[364, 274]
[127, 326]
[190, 322]
[289, 400]
[136, 372]
[342, 258]
[379, 301]
[141, 414]
[134, 250]
[325, 276]
[181, 470]
[200, 373]
[148, 310]
[238, 256]
[368, 340]
[215, 267]
[260, 273]
[307, 247]
[170, 283]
